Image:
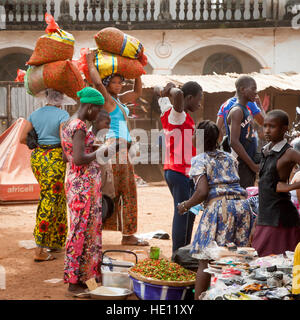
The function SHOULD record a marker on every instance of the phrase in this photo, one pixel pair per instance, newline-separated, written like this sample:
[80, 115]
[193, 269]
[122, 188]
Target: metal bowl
[101, 293]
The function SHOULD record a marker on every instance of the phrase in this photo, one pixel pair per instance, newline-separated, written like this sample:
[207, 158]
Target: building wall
[169, 51]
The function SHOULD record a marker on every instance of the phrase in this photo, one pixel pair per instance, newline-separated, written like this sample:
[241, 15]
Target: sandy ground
[25, 278]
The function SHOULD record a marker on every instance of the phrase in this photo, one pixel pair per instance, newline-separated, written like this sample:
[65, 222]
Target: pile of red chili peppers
[163, 269]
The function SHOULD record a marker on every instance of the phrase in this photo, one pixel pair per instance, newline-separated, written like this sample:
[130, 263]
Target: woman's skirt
[51, 219]
[275, 240]
[84, 245]
[223, 221]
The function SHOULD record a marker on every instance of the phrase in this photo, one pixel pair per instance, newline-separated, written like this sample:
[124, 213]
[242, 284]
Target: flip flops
[139, 242]
[83, 294]
[50, 257]
[164, 236]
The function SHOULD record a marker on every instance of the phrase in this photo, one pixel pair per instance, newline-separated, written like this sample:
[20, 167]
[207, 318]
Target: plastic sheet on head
[55, 98]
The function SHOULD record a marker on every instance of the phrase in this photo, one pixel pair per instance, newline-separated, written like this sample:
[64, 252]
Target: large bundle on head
[62, 76]
[108, 64]
[56, 45]
[115, 41]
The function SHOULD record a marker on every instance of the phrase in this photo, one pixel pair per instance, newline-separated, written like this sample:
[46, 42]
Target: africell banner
[17, 182]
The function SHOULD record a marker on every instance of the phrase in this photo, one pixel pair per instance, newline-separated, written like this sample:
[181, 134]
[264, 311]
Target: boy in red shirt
[178, 128]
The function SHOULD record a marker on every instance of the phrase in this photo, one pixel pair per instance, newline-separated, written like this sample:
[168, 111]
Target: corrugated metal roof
[225, 83]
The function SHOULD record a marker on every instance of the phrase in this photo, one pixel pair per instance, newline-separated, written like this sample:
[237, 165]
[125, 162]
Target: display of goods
[20, 75]
[56, 45]
[115, 41]
[162, 271]
[62, 76]
[108, 63]
[296, 271]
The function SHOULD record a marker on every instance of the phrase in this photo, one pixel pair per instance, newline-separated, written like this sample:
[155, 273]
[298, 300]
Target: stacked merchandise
[117, 53]
[238, 274]
[51, 66]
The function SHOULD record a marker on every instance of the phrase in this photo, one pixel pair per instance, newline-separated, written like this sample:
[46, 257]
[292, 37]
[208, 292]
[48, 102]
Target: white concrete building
[247, 36]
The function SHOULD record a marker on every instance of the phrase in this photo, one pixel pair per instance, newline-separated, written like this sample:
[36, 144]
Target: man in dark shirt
[239, 128]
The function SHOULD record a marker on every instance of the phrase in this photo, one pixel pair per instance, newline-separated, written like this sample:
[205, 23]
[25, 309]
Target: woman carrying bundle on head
[49, 169]
[124, 181]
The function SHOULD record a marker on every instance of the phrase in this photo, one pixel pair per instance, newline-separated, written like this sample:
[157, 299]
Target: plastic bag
[20, 75]
[2, 278]
[56, 45]
[62, 76]
[114, 40]
[27, 244]
[107, 64]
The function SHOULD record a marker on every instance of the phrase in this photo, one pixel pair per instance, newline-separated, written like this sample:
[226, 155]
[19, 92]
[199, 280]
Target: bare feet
[133, 241]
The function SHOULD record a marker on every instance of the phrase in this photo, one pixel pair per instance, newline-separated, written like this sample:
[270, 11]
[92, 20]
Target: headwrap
[91, 95]
[107, 79]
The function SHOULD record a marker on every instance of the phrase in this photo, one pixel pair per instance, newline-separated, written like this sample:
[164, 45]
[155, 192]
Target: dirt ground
[25, 278]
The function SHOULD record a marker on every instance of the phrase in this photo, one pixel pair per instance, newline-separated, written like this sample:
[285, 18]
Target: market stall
[239, 274]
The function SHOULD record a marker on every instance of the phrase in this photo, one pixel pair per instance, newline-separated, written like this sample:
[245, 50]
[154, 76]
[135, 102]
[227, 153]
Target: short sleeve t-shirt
[226, 106]
[181, 126]
[46, 122]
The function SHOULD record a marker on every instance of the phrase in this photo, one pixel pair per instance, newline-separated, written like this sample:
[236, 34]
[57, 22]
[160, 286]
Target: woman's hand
[90, 57]
[166, 90]
[181, 207]
[283, 187]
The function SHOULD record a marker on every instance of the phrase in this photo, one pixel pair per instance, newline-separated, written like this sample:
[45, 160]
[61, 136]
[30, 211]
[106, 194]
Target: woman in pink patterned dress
[83, 190]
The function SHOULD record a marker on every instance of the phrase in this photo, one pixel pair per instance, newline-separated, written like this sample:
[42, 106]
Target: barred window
[222, 63]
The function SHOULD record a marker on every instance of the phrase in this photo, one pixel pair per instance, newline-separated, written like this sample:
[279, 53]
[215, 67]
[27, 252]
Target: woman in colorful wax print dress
[227, 215]
[83, 189]
[49, 169]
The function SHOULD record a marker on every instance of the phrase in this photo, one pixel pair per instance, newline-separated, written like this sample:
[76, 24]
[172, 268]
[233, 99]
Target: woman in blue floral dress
[227, 215]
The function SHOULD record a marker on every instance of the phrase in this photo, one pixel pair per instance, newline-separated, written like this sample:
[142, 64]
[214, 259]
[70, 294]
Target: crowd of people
[66, 167]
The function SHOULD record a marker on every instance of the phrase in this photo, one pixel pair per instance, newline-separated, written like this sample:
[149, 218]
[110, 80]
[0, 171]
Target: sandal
[83, 294]
[139, 242]
[48, 258]
[55, 250]
[161, 236]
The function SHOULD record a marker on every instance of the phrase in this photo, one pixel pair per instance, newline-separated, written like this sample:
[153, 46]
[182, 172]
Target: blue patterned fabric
[216, 224]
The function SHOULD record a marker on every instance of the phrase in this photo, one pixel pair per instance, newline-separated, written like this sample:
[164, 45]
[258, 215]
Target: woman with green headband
[83, 189]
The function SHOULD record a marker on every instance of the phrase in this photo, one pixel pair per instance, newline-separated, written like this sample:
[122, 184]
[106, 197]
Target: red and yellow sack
[56, 45]
[115, 41]
[108, 63]
[62, 76]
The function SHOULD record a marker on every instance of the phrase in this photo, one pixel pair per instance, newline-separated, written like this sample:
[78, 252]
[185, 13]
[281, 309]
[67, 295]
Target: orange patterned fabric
[124, 219]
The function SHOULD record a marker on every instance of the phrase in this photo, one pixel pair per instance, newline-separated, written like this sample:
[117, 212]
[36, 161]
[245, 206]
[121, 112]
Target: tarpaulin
[17, 182]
